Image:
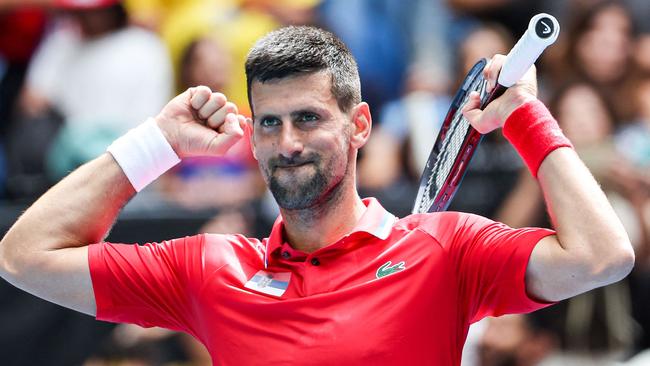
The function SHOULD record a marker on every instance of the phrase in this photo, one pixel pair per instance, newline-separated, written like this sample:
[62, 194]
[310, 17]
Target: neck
[315, 227]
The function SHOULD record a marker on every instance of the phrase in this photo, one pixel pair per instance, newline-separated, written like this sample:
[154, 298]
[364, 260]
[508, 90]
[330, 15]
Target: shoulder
[210, 249]
[447, 228]
[222, 249]
[438, 222]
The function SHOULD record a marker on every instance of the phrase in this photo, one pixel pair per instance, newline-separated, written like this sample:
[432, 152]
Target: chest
[370, 305]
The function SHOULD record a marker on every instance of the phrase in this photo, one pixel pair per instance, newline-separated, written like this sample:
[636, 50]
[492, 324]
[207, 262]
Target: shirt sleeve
[150, 285]
[490, 261]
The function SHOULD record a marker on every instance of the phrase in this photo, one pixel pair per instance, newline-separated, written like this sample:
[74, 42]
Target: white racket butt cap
[542, 31]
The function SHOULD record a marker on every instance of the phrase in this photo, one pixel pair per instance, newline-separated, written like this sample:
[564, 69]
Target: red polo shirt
[390, 292]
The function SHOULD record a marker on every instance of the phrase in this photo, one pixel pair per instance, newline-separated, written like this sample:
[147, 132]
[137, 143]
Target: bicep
[552, 273]
[61, 276]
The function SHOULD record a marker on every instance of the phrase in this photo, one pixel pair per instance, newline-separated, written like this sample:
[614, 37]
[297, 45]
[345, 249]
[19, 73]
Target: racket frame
[543, 30]
[473, 138]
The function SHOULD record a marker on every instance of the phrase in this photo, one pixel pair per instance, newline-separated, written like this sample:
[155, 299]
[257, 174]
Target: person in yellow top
[235, 24]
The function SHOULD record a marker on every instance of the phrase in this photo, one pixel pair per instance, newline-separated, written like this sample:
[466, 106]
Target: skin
[591, 248]
[300, 133]
[45, 252]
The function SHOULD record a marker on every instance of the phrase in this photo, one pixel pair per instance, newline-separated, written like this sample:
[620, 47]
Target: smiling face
[301, 139]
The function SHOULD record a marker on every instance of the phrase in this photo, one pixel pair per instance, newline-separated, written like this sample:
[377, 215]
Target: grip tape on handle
[542, 31]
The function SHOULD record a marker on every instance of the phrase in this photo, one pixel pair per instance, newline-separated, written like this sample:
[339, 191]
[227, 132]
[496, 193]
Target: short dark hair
[297, 50]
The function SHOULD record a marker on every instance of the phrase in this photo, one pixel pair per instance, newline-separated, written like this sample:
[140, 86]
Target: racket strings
[450, 149]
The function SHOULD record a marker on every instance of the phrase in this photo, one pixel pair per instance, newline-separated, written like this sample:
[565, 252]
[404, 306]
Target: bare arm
[45, 252]
[591, 248]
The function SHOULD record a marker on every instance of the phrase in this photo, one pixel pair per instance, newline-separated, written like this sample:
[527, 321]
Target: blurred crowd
[76, 74]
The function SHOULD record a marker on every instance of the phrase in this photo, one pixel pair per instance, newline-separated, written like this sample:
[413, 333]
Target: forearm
[77, 211]
[591, 247]
[46, 251]
[587, 228]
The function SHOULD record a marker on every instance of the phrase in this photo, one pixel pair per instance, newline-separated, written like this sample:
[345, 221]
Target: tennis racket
[457, 140]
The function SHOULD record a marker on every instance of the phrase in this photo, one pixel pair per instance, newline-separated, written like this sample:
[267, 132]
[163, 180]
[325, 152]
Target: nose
[290, 141]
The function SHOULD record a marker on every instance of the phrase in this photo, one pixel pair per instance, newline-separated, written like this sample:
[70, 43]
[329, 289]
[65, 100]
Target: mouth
[287, 170]
[289, 166]
[292, 165]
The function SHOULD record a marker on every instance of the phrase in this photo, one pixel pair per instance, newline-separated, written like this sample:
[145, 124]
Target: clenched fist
[497, 112]
[200, 122]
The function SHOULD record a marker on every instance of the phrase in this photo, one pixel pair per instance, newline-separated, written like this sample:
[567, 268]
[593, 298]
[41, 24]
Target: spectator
[92, 51]
[633, 141]
[376, 33]
[522, 340]
[286, 12]
[236, 24]
[512, 14]
[21, 28]
[641, 53]
[599, 50]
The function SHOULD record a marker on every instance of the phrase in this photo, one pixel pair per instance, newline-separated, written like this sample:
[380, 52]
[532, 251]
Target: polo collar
[375, 221]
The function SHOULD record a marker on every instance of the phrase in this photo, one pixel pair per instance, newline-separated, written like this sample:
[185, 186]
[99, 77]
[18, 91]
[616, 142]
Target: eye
[269, 121]
[308, 117]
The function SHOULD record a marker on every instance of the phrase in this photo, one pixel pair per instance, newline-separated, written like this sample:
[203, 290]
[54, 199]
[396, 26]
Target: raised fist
[199, 122]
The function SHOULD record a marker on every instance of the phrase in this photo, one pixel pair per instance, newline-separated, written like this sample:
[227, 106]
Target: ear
[362, 124]
[251, 135]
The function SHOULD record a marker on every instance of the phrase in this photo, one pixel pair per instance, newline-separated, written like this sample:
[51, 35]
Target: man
[339, 279]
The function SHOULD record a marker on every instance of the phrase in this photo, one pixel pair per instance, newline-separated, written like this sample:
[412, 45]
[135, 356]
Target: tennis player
[339, 279]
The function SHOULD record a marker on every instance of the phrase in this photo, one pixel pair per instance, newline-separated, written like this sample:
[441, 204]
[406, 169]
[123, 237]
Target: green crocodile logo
[386, 269]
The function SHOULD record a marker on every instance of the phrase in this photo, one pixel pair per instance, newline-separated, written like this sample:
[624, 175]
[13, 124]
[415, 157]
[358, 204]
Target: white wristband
[144, 154]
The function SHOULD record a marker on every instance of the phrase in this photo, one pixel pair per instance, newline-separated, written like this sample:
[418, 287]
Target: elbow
[626, 262]
[14, 260]
[615, 266]
[7, 261]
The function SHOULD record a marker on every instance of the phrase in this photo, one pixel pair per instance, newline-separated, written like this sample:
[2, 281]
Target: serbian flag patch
[269, 283]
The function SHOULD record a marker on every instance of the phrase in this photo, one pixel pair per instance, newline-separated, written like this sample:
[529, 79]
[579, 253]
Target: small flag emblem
[269, 283]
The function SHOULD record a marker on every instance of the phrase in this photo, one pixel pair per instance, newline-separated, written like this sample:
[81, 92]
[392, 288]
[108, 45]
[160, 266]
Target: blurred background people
[521, 339]
[400, 145]
[92, 78]
[598, 49]
[21, 27]
[74, 74]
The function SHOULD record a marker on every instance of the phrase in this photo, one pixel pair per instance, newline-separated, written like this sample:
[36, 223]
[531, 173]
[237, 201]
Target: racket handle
[542, 31]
